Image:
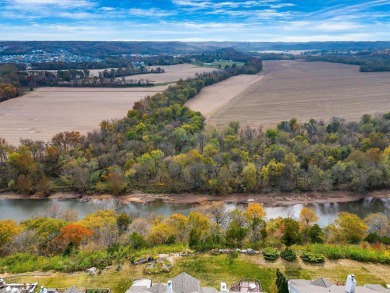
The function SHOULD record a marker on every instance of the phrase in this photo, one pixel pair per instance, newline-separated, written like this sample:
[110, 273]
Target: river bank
[267, 200]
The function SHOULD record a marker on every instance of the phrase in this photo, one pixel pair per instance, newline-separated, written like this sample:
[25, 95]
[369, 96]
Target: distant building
[323, 285]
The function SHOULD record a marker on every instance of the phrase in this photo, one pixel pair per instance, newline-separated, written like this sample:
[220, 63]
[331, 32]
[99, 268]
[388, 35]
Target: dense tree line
[206, 227]
[368, 61]
[110, 62]
[83, 78]
[10, 86]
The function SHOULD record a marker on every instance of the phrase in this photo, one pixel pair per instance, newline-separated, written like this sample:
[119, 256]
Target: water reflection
[327, 212]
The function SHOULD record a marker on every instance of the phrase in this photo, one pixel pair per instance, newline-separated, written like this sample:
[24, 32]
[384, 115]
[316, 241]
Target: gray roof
[73, 289]
[184, 283]
[158, 288]
[322, 282]
[138, 288]
[377, 288]
[305, 286]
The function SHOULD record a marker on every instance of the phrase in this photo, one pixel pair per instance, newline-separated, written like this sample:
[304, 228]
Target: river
[19, 210]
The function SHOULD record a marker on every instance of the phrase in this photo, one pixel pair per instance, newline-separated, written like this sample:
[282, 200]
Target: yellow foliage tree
[307, 217]
[255, 211]
[162, 233]
[8, 229]
[179, 223]
[249, 177]
[351, 227]
[99, 219]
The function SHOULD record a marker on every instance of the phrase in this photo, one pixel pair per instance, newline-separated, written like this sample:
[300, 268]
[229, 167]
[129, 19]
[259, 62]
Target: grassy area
[354, 252]
[24, 262]
[211, 270]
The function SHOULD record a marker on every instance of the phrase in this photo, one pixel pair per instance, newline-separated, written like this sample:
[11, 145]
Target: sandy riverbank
[270, 199]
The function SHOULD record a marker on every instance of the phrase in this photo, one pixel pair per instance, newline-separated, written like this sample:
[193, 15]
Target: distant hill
[97, 49]
[281, 46]
[101, 49]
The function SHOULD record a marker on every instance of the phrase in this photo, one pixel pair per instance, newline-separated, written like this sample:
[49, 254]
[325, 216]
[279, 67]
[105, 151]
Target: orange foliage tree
[72, 234]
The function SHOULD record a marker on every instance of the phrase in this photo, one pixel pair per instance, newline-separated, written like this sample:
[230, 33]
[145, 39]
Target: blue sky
[195, 20]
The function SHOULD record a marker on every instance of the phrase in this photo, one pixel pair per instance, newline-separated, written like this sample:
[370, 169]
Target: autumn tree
[162, 233]
[217, 212]
[349, 227]
[123, 221]
[255, 210]
[8, 230]
[45, 230]
[307, 219]
[179, 223]
[72, 235]
[103, 223]
[140, 226]
[291, 232]
[200, 230]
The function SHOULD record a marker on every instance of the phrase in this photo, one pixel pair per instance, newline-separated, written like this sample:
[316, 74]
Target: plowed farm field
[287, 89]
[41, 114]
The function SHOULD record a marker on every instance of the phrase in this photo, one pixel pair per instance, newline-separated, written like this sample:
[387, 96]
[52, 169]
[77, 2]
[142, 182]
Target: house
[183, 283]
[17, 288]
[323, 285]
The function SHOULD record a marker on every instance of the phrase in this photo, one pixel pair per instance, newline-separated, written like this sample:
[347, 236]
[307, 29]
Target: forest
[162, 146]
[369, 61]
[111, 62]
[60, 241]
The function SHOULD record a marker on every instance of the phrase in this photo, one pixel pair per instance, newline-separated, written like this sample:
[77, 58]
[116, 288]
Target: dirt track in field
[297, 89]
[219, 95]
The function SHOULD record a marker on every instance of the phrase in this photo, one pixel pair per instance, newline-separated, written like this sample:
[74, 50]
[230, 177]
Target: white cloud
[61, 3]
[152, 12]
[192, 31]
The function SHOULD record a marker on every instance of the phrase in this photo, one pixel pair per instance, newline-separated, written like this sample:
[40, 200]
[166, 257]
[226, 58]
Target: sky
[196, 20]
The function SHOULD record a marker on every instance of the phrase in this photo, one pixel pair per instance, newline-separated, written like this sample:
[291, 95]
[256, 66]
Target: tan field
[41, 114]
[297, 89]
[172, 73]
[217, 96]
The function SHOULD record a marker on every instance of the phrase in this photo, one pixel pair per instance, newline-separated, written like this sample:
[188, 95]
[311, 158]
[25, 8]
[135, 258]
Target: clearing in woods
[288, 89]
[41, 114]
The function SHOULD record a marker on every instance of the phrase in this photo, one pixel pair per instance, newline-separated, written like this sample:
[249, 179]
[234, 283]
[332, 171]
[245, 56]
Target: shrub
[162, 265]
[354, 252]
[288, 254]
[270, 253]
[313, 257]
